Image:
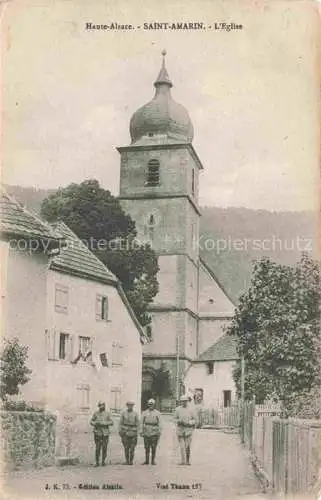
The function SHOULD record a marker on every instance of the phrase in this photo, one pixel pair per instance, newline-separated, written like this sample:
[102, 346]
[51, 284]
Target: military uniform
[101, 421]
[186, 421]
[151, 430]
[128, 431]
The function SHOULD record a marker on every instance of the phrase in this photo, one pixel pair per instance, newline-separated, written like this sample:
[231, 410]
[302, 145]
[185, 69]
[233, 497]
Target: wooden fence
[297, 442]
[287, 451]
[220, 417]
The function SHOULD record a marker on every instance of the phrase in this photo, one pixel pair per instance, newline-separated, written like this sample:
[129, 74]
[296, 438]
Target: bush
[18, 406]
[14, 371]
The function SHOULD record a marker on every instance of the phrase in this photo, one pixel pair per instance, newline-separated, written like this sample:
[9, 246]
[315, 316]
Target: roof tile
[223, 350]
[76, 258]
[15, 219]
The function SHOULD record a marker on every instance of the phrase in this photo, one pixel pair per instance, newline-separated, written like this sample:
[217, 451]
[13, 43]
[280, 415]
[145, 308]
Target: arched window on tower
[152, 173]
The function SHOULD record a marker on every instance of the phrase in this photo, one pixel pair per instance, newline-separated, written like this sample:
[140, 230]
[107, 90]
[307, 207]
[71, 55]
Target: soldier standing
[101, 421]
[186, 421]
[128, 431]
[151, 430]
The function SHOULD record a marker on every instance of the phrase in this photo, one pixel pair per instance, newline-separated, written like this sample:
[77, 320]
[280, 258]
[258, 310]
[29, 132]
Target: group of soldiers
[149, 428]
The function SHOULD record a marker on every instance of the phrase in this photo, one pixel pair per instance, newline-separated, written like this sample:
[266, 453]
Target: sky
[253, 94]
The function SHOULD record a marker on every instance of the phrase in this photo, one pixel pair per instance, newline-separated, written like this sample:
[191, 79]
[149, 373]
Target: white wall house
[26, 242]
[211, 374]
[58, 299]
[94, 342]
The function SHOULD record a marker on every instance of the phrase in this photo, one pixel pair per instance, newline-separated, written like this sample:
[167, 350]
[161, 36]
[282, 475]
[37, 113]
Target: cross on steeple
[163, 75]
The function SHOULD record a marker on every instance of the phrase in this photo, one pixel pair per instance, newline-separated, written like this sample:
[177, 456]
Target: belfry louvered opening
[153, 173]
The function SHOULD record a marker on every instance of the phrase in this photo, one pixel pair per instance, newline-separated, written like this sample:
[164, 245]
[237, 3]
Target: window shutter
[52, 344]
[101, 307]
[56, 344]
[74, 348]
[47, 342]
[70, 347]
[117, 354]
[98, 307]
[105, 307]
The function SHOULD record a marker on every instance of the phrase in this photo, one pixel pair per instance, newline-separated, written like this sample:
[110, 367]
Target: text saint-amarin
[174, 26]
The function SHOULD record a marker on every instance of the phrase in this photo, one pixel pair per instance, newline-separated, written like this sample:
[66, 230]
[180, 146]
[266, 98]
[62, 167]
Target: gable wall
[81, 321]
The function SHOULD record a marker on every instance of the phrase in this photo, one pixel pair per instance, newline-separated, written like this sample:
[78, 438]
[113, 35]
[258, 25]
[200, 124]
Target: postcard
[160, 250]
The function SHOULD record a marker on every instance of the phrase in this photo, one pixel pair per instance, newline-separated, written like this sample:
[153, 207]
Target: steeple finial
[163, 75]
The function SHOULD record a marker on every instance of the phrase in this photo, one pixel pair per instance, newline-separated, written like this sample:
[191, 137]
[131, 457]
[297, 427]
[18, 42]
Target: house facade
[84, 341]
[26, 244]
[210, 375]
[94, 342]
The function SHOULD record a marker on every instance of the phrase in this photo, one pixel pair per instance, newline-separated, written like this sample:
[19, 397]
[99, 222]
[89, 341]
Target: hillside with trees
[235, 237]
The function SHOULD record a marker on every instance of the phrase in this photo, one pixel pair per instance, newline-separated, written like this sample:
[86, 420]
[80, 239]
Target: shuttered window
[61, 298]
[85, 345]
[52, 341]
[117, 354]
[115, 399]
[64, 346]
[101, 308]
[83, 396]
[59, 345]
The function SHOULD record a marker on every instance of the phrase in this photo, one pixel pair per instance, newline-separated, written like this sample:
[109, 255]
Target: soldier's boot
[127, 456]
[131, 456]
[188, 454]
[153, 455]
[97, 454]
[146, 456]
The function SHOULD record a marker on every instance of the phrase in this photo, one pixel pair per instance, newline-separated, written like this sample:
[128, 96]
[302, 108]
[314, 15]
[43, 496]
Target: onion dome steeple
[162, 120]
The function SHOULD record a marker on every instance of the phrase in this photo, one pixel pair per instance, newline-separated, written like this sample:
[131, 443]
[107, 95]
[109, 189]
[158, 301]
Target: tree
[161, 387]
[277, 325]
[14, 371]
[98, 219]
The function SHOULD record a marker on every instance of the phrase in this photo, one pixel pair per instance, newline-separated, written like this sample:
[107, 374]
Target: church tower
[159, 189]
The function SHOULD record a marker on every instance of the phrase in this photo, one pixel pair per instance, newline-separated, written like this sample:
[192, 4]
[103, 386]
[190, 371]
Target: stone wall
[28, 439]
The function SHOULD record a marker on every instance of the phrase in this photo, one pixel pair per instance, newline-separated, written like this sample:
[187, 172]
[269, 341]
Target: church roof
[15, 219]
[162, 119]
[215, 278]
[222, 350]
[77, 259]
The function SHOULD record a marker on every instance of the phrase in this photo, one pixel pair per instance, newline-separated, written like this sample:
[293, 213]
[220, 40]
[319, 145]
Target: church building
[159, 186]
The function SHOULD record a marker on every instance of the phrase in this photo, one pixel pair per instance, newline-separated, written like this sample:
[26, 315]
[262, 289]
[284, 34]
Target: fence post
[252, 413]
[286, 456]
[242, 420]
